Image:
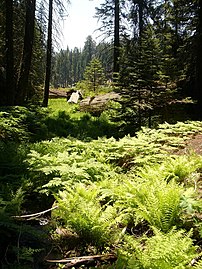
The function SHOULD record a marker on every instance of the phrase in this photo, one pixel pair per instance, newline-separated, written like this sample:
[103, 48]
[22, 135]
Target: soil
[194, 144]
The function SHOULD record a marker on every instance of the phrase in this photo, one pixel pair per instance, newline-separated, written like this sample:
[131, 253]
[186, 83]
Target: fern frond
[158, 202]
[81, 211]
[164, 251]
[198, 264]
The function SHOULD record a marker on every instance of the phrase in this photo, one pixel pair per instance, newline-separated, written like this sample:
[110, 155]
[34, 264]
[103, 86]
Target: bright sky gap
[80, 23]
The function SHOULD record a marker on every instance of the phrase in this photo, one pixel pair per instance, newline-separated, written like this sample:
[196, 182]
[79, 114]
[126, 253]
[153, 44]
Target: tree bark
[23, 81]
[10, 82]
[48, 55]
[199, 64]
[140, 14]
[116, 38]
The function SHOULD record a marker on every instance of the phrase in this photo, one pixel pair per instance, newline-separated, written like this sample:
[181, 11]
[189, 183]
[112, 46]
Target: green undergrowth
[66, 120]
[60, 119]
[19, 124]
[134, 197]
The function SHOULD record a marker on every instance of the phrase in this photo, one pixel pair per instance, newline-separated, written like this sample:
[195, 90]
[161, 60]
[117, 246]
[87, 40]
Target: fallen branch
[71, 262]
[36, 214]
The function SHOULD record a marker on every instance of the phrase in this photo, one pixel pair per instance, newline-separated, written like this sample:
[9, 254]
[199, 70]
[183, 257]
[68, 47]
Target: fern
[159, 204]
[81, 211]
[197, 264]
[173, 250]
[181, 167]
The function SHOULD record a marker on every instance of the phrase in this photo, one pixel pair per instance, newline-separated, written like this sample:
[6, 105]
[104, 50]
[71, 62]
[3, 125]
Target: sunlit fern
[173, 250]
[81, 211]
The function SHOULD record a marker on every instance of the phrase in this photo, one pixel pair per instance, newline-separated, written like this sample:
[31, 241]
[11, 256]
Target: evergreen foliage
[94, 74]
[69, 65]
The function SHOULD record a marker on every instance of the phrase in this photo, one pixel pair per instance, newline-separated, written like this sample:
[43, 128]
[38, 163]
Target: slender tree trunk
[10, 82]
[176, 25]
[199, 64]
[48, 55]
[139, 108]
[116, 38]
[140, 4]
[23, 81]
[140, 14]
[94, 81]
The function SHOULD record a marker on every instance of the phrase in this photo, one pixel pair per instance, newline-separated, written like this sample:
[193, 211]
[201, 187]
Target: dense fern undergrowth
[135, 198]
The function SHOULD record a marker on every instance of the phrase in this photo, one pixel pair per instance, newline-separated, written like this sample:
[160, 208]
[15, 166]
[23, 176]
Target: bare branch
[71, 262]
[36, 214]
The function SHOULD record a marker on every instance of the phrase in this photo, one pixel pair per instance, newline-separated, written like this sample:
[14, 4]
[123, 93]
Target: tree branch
[71, 262]
[36, 214]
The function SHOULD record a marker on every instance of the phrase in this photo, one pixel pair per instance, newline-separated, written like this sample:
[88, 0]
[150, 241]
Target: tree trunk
[23, 81]
[48, 55]
[199, 64]
[140, 14]
[10, 82]
[116, 38]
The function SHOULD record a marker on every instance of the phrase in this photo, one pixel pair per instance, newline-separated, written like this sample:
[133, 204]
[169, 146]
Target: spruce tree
[94, 74]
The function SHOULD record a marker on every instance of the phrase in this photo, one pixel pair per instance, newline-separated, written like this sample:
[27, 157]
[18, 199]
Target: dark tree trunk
[10, 82]
[199, 64]
[176, 27]
[140, 4]
[116, 38]
[23, 81]
[48, 55]
[140, 15]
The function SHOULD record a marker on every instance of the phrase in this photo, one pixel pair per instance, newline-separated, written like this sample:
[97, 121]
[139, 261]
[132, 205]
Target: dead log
[76, 261]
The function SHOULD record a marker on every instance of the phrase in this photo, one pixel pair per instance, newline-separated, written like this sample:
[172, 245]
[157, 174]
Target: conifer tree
[88, 51]
[104, 52]
[94, 74]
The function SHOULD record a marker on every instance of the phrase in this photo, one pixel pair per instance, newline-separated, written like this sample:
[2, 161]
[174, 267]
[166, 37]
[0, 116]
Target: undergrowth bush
[63, 160]
[20, 124]
[20, 242]
[181, 168]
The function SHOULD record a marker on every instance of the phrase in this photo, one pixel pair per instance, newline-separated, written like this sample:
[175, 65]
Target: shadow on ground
[86, 127]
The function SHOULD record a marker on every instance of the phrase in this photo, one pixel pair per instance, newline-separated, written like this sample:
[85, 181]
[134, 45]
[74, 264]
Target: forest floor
[194, 144]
